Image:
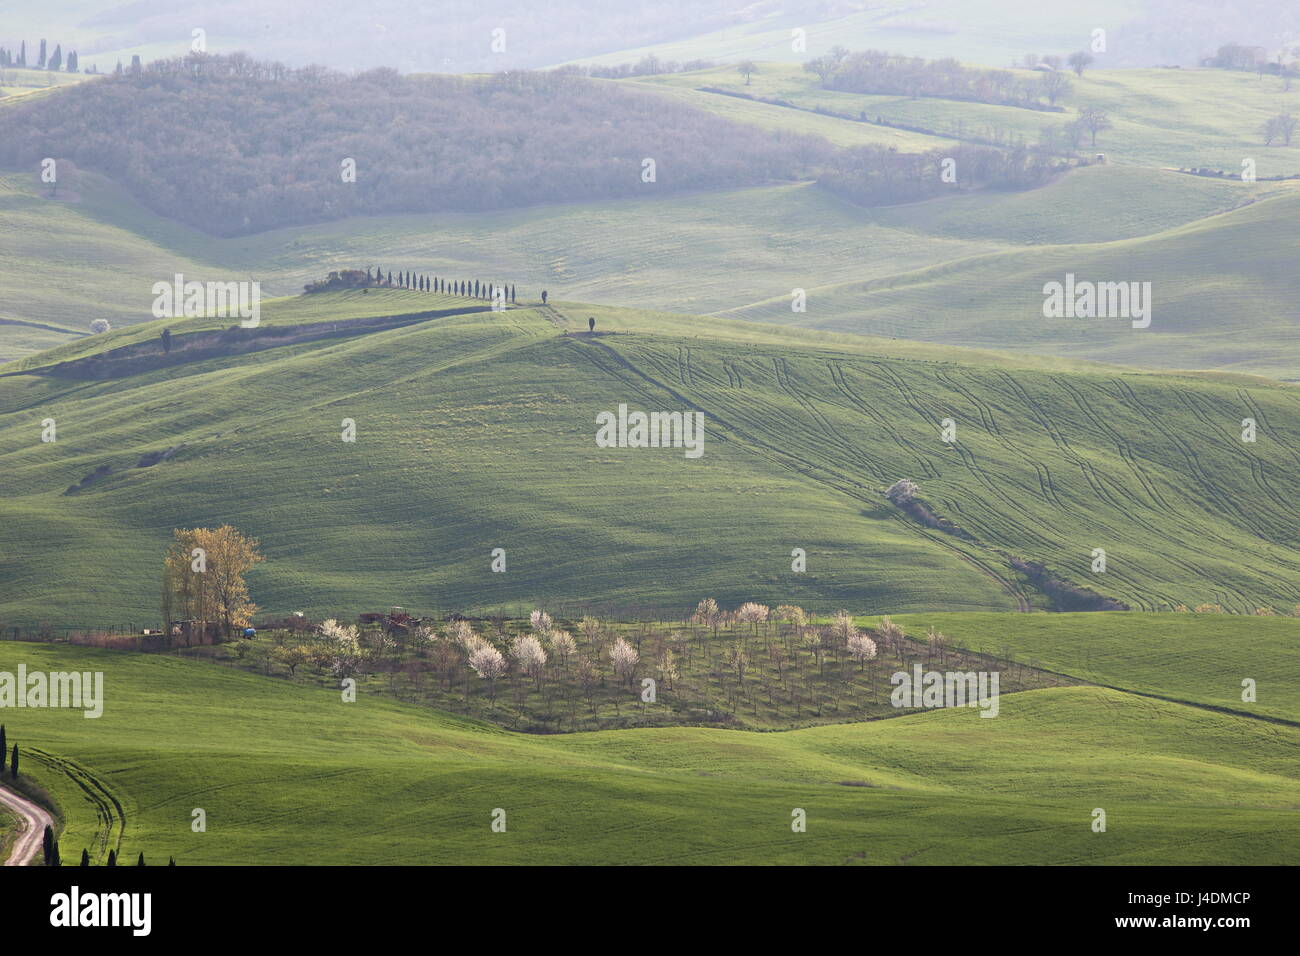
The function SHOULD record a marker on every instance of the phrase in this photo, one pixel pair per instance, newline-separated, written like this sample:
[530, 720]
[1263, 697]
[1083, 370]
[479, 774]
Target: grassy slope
[98, 256]
[292, 775]
[1178, 118]
[966, 29]
[476, 432]
[1201, 658]
[65, 263]
[1224, 292]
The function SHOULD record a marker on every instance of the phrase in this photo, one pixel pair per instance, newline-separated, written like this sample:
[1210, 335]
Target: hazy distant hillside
[451, 36]
[457, 35]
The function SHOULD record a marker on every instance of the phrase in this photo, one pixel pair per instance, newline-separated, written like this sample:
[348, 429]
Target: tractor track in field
[842, 483]
[987, 419]
[1262, 419]
[1129, 397]
[781, 369]
[684, 376]
[1045, 484]
[1256, 464]
[924, 465]
[1094, 478]
[1121, 443]
[109, 812]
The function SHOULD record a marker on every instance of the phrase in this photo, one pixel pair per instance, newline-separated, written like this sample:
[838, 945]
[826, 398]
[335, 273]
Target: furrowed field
[475, 431]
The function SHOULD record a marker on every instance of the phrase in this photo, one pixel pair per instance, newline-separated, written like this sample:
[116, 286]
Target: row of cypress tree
[475, 289]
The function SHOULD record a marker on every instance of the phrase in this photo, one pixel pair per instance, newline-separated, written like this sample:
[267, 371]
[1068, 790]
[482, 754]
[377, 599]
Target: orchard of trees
[753, 666]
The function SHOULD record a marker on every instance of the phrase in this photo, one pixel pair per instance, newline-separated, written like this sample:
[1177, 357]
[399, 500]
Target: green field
[1162, 118]
[1224, 291]
[966, 29]
[476, 431]
[97, 254]
[291, 774]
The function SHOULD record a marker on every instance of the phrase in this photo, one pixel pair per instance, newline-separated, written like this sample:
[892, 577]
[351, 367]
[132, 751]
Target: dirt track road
[33, 820]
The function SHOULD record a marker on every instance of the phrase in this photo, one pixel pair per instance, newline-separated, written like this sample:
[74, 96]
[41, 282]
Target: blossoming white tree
[861, 648]
[540, 621]
[344, 652]
[564, 646]
[708, 614]
[624, 658]
[751, 613]
[527, 651]
[489, 664]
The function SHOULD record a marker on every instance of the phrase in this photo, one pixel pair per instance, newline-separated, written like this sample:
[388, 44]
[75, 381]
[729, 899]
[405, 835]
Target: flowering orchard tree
[751, 613]
[861, 648]
[707, 613]
[624, 658]
[527, 651]
[488, 664]
[540, 621]
[563, 646]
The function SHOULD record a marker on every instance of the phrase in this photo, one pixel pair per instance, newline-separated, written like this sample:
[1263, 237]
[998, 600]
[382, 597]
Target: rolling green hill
[94, 253]
[1224, 292]
[476, 431]
[1163, 118]
[286, 774]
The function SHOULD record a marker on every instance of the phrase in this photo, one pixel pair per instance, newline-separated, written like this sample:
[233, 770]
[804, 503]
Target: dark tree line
[377, 278]
[875, 175]
[264, 143]
[877, 72]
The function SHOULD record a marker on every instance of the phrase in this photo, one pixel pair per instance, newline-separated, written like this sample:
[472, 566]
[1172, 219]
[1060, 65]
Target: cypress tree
[13, 763]
[140, 862]
[85, 857]
[47, 844]
[390, 278]
[40, 62]
[56, 858]
[3, 746]
[112, 858]
[171, 861]
[512, 292]
[22, 53]
[167, 340]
